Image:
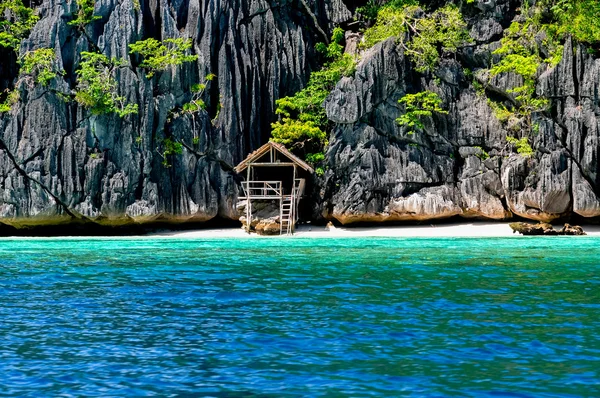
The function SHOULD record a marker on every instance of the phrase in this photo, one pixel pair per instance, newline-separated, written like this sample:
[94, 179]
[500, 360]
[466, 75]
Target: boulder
[533, 229]
[269, 226]
[573, 230]
[545, 229]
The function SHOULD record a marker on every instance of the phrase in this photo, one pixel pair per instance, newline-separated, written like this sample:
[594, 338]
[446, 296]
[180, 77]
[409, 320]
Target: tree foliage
[158, 56]
[97, 86]
[419, 106]
[578, 18]
[170, 148]
[522, 146]
[16, 21]
[39, 66]
[11, 97]
[303, 124]
[85, 13]
[36, 67]
[521, 56]
[196, 104]
[425, 37]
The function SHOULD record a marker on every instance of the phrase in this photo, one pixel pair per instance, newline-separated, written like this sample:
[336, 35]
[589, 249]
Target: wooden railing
[262, 189]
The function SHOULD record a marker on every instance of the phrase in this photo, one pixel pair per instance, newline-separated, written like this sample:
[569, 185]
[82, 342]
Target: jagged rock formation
[546, 229]
[57, 159]
[378, 172]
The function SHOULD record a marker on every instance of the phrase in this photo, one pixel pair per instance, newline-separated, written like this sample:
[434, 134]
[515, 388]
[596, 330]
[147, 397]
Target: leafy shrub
[97, 86]
[501, 111]
[158, 56]
[170, 147]
[522, 146]
[294, 131]
[520, 56]
[197, 104]
[482, 155]
[419, 106]
[16, 21]
[85, 13]
[369, 11]
[578, 18]
[11, 97]
[425, 37]
[391, 22]
[39, 66]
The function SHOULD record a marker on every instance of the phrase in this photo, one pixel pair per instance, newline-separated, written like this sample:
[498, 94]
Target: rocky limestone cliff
[57, 159]
[379, 172]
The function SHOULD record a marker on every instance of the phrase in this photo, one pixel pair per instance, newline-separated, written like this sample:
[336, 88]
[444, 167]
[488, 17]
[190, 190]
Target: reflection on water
[297, 317]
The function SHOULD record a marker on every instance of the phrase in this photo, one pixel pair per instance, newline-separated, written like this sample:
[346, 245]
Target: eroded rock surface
[546, 229]
[57, 159]
[460, 164]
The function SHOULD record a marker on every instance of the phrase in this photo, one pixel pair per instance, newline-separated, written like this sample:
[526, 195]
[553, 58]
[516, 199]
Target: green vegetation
[196, 104]
[16, 21]
[170, 147]
[158, 56]
[39, 66]
[550, 21]
[578, 18]
[522, 146]
[419, 106]
[369, 11]
[97, 86]
[425, 37]
[11, 98]
[521, 55]
[85, 13]
[303, 124]
[482, 155]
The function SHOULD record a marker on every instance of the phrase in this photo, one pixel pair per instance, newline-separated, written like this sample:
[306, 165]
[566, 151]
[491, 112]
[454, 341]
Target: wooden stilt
[294, 200]
[248, 209]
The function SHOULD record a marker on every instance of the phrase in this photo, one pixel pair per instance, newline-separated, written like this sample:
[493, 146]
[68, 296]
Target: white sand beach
[467, 230]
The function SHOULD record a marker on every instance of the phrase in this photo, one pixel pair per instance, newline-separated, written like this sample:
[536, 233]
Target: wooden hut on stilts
[274, 173]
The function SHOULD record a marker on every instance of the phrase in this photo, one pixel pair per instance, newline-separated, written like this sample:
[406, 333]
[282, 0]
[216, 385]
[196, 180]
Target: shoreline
[450, 230]
[475, 229]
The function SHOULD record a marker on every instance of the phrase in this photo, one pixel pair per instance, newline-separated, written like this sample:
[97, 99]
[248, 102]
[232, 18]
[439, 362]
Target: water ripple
[299, 317]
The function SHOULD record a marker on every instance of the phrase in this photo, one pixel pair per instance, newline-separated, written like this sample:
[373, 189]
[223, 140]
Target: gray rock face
[460, 164]
[56, 158]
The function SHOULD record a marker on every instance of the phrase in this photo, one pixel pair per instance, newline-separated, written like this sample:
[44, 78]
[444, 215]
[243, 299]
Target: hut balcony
[272, 189]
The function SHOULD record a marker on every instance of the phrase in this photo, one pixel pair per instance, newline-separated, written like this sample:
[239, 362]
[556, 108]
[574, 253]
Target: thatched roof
[254, 156]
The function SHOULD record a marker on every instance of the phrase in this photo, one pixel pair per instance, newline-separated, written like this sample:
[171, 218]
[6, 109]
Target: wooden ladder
[286, 216]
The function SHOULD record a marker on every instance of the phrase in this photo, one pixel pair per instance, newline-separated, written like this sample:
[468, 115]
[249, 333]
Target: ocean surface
[298, 317]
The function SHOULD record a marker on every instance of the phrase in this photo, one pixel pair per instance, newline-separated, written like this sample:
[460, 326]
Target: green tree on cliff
[97, 85]
[423, 36]
[303, 125]
[16, 21]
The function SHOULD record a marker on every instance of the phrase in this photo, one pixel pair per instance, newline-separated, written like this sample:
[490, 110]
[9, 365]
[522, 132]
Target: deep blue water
[300, 317]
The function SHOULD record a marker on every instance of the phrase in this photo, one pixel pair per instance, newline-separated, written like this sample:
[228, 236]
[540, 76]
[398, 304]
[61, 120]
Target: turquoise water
[300, 317]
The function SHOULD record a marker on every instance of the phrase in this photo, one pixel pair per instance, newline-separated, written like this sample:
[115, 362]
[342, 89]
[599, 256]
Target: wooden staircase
[286, 216]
